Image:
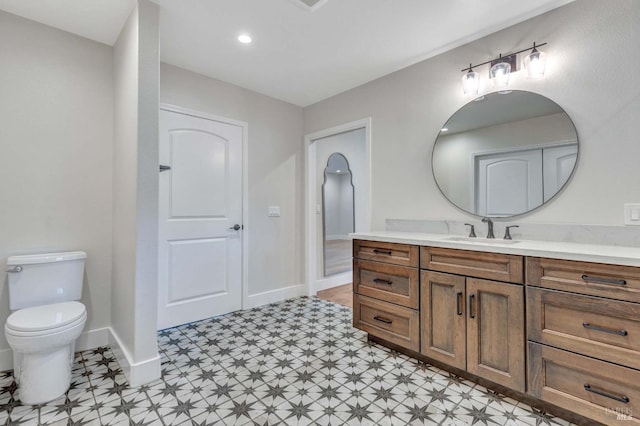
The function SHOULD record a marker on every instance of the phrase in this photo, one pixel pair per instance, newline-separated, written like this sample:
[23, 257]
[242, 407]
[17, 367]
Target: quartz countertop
[614, 255]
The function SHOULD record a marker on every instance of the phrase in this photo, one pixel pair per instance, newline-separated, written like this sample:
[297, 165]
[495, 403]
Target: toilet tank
[42, 279]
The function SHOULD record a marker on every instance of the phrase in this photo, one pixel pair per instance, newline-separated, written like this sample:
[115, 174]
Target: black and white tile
[298, 362]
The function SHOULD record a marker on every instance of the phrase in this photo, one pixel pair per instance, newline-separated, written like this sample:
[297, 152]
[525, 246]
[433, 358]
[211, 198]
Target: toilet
[45, 322]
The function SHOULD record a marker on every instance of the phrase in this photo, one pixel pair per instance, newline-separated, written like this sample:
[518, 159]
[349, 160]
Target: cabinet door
[443, 323]
[495, 332]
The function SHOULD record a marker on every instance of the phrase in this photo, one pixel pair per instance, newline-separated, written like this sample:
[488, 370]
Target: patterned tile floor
[298, 362]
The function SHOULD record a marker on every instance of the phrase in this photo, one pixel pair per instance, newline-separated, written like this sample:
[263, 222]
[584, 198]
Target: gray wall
[591, 73]
[275, 159]
[135, 193]
[56, 104]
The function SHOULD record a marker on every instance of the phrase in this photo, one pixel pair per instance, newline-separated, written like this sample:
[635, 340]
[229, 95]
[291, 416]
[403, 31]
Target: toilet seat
[46, 319]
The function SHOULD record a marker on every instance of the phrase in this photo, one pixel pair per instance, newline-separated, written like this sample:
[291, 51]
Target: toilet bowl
[43, 342]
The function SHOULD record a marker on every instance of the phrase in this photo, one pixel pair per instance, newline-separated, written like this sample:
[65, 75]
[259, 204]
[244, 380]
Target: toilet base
[43, 376]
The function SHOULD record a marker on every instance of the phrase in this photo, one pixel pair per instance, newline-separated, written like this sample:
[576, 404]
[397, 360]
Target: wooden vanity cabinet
[495, 332]
[492, 266]
[583, 325]
[578, 355]
[475, 325]
[386, 291]
[442, 318]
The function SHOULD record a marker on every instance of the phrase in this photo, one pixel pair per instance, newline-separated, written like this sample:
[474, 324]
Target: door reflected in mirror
[503, 155]
[338, 219]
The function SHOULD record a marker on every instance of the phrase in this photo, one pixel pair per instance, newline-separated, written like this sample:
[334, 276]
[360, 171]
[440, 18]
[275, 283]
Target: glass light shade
[470, 83]
[500, 75]
[535, 63]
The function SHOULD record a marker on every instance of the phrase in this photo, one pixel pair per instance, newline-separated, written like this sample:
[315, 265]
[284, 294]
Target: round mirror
[505, 154]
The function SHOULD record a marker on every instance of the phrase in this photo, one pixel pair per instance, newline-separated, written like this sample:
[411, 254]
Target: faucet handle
[472, 233]
[507, 233]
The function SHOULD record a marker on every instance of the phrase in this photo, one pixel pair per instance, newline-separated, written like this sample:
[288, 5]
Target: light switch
[274, 211]
[632, 214]
[318, 209]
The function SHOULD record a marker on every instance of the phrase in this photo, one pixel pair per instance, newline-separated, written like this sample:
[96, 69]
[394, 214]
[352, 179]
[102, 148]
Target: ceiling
[298, 55]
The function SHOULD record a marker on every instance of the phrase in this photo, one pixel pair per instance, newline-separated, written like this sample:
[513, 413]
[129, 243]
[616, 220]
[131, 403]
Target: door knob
[236, 227]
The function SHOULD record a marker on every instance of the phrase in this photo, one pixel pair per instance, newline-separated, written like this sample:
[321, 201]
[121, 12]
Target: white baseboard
[6, 359]
[88, 340]
[330, 282]
[272, 296]
[137, 373]
[337, 237]
[93, 339]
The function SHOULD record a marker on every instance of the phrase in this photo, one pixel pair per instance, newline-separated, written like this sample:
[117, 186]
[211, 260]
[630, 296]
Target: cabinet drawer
[397, 254]
[593, 388]
[391, 283]
[596, 279]
[493, 266]
[600, 328]
[387, 321]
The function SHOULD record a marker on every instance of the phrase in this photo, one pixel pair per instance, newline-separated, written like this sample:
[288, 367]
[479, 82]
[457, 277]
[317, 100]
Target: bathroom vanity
[554, 324]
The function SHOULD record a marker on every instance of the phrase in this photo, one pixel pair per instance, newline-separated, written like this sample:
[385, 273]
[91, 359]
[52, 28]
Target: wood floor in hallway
[342, 295]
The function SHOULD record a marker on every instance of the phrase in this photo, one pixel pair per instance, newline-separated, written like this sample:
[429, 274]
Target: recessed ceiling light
[337, 171]
[244, 38]
[444, 129]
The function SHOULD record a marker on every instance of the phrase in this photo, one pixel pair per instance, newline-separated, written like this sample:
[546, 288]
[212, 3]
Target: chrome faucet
[489, 223]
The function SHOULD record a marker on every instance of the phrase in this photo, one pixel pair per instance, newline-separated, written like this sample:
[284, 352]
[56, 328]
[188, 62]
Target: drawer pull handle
[603, 280]
[383, 319]
[603, 329]
[381, 281]
[623, 398]
[380, 251]
[472, 313]
[459, 303]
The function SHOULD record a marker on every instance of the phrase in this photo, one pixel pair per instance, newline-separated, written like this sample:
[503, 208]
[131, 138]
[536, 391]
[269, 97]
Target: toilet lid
[45, 317]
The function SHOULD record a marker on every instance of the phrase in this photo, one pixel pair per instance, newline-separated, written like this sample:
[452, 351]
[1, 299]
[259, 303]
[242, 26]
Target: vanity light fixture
[535, 62]
[500, 72]
[502, 67]
[471, 82]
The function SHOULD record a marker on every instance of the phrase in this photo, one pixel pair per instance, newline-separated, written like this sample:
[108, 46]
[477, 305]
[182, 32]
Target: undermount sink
[482, 241]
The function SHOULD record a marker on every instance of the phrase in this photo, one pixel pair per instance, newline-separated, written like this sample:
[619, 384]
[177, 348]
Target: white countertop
[614, 255]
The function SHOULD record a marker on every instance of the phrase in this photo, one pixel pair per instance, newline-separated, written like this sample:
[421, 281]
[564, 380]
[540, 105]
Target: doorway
[201, 227]
[330, 214]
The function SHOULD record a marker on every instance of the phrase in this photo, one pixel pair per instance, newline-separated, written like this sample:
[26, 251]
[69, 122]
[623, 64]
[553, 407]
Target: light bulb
[244, 38]
[500, 75]
[535, 63]
[470, 82]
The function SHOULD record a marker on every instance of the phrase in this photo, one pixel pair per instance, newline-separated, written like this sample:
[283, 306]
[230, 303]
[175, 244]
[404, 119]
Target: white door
[508, 183]
[200, 254]
[558, 165]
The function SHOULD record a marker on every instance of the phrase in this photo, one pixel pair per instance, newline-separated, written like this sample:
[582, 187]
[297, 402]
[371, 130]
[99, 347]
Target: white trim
[332, 281]
[88, 340]
[6, 359]
[311, 267]
[245, 186]
[93, 339]
[337, 237]
[277, 295]
[137, 373]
